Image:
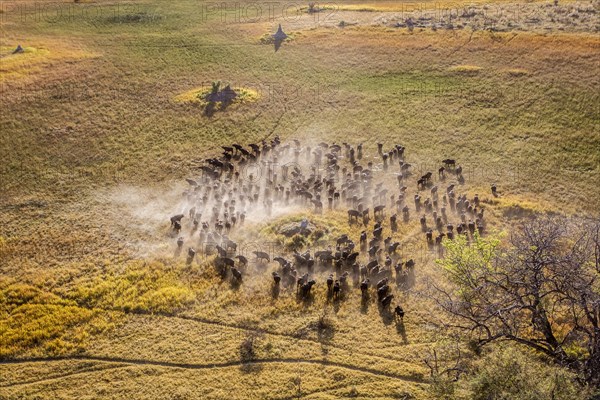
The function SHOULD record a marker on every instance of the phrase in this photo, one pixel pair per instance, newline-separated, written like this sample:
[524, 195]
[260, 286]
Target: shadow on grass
[248, 354]
[336, 305]
[401, 330]
[387, 316]
[364, 304]
[275, 290]
[307, 301]
[210, 109]
[235, 284]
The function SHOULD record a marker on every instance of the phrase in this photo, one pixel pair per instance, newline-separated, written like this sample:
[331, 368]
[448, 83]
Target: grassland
[94, 148]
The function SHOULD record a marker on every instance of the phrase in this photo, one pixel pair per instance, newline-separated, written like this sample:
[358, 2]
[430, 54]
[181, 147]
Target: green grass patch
[140, 287]
[34, 322]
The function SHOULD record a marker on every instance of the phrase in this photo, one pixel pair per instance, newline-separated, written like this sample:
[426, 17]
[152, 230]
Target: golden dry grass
[198, 96]
[405, 6]
[94, 150]
[36, 57]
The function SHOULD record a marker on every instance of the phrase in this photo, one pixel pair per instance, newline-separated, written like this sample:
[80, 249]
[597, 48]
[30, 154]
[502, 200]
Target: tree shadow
[277, 44]
[325, 330]
[210, 108]
[251, 367]
[225, 103]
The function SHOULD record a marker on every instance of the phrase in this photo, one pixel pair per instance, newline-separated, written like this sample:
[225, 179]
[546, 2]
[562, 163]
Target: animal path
[275, 333]
[244, 328]
[193, 366]
[65, 375]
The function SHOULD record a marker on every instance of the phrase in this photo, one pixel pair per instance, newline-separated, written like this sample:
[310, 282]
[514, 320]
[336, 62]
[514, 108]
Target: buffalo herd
[260, 179]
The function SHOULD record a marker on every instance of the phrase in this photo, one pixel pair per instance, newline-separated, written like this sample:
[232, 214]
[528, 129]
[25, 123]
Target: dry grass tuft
[470, 70]
[517, 72]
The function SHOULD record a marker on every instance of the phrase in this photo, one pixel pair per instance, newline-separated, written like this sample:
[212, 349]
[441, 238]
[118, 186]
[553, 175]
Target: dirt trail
[55, 377]
[194, 366]
[240, 327]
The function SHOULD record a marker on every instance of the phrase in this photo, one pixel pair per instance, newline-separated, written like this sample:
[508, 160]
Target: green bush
[508, 373]
[296, 243]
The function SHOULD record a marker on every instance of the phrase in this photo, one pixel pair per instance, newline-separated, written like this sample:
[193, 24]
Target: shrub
[508, 373]
[295, 243]
[248, 346]
[442, 388]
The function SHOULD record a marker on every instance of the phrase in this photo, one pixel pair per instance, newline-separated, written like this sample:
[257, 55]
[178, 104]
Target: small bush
[442, 388]
[296, 243]
[325, 328]
[317, 235]
[248, 346]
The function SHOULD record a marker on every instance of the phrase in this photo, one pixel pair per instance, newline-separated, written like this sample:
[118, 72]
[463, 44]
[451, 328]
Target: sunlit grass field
[95, 146]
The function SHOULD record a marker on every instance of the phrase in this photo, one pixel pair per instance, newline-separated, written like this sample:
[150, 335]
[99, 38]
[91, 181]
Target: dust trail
[218, 212]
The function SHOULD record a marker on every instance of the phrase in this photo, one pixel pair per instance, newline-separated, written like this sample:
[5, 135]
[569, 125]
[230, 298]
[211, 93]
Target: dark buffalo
[225, 261]
[276, 278]
[364, 286]
[448, 162]
[329, 282]
[387, 300]
[176, 218]
[305, 290]
[382, 282]
[237, 275]
[336, 289]
[382, 292]
[399, 312]
[261, 255]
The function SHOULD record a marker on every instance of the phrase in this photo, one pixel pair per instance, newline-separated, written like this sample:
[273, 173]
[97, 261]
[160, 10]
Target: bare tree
[541, 289]
[446, 361]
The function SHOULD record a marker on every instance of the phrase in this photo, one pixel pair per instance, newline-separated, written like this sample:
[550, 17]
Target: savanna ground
[95, 147]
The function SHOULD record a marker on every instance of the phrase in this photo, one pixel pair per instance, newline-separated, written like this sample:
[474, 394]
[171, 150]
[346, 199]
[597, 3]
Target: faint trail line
[280, 334]
[320, 390]
[277, 123]
[65, 375]
[458, 48]
[168, 364]
[240, 327]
